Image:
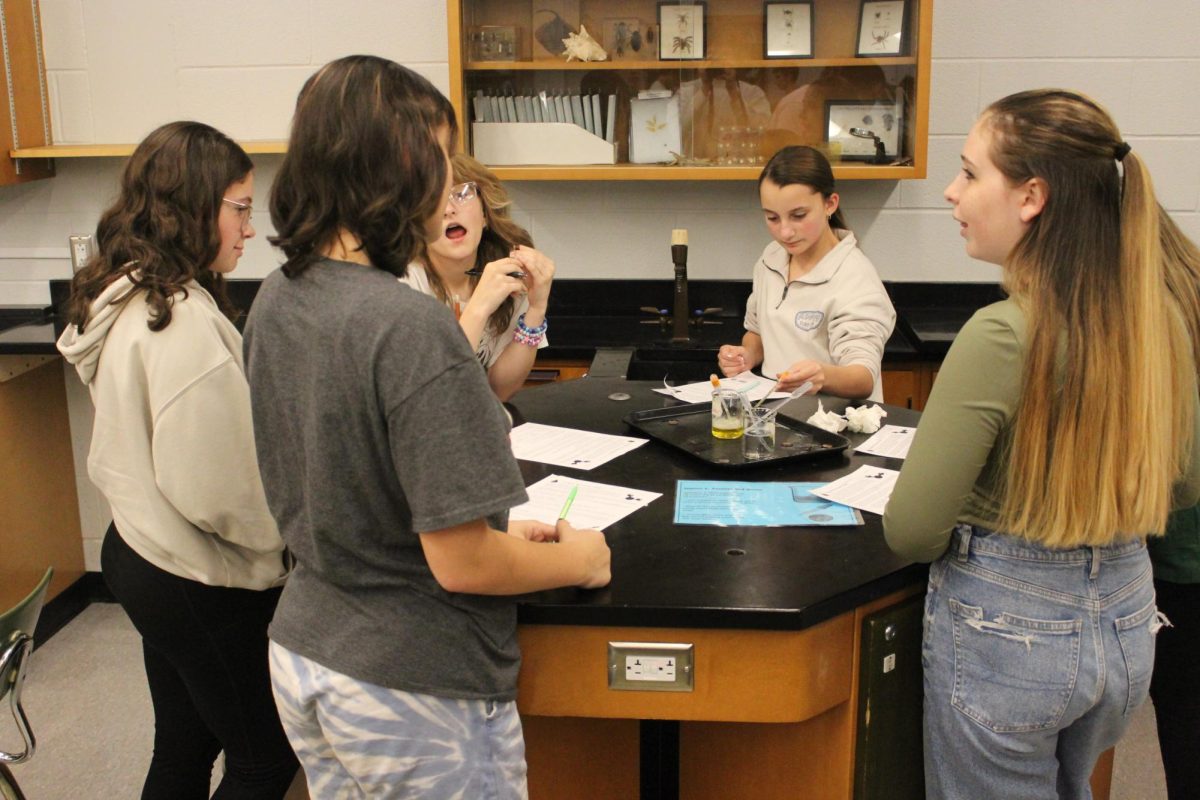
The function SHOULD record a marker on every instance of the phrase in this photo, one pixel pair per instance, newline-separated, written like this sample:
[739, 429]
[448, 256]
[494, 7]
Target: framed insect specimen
[787, 29]
[881, 28]
[681, 31]
[627, 39]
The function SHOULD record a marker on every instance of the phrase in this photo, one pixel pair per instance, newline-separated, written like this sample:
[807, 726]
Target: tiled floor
[88, 704]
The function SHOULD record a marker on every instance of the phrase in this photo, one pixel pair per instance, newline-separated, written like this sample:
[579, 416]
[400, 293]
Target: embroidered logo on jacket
[809, 320]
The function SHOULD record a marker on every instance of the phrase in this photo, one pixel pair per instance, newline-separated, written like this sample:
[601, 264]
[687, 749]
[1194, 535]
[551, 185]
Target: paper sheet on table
[867, 488]
[596, 505]
[754, 386]
[757, 504]
[891, 441]
[569, 447]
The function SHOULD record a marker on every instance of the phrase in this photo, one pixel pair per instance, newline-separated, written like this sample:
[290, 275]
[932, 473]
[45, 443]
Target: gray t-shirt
[373, 421]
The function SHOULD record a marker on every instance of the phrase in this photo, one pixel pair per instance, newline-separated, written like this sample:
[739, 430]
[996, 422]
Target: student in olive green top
[1061, 430]
[1176, 559]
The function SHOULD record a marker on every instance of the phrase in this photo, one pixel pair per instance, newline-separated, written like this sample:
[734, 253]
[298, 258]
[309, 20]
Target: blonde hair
[499, 237]
[1108, 285]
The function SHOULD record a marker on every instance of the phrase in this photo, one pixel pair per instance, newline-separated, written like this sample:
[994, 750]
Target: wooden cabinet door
[900, 387]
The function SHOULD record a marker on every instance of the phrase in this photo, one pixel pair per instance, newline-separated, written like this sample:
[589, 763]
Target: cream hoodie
[172, 444]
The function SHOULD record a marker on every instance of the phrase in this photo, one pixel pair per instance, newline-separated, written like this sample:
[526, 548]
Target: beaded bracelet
[529, 336]
[525, 329]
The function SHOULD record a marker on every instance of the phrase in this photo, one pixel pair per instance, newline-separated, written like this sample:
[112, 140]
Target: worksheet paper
[754, 386]
[596, 505]
[867, 488]
[757, 504]
[569, 447]
[891, 441]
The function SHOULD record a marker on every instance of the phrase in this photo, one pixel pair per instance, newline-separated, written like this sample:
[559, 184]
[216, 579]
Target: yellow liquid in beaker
[728, 427]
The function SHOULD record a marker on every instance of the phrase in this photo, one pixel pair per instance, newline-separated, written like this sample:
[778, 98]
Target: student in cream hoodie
[818, 312]
[193, 554]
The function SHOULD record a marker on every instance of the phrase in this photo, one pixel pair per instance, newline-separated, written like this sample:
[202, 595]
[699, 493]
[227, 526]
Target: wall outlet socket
[82, 250]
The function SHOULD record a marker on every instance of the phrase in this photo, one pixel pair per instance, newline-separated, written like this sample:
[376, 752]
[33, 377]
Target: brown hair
[363, 156]
[807, 166]
[1104, 425]
[499, 238]
[162, 230]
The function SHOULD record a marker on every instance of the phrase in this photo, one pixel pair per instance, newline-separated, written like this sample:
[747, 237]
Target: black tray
[689, 428]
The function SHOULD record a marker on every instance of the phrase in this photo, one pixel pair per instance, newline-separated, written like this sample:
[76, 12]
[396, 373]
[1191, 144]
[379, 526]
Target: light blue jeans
[1034, 660]
[359, 740]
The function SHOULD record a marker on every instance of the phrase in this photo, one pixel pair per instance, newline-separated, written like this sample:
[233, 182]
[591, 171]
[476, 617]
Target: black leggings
[205, 649]
[1174, 687]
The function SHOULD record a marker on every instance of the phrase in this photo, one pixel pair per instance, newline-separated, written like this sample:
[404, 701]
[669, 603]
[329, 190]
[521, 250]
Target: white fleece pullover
[172, 444]
[838, 313]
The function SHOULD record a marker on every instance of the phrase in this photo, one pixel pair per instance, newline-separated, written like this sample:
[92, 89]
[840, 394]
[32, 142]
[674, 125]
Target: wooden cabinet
[736, 106]
[39, 509]
[24, 97]
[908, 384]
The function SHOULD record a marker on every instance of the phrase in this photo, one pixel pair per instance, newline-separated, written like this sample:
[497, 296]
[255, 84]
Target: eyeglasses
[463, 193]
[244, 210]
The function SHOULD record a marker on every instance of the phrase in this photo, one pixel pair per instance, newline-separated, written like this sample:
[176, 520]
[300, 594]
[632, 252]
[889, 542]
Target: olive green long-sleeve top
[955, 466]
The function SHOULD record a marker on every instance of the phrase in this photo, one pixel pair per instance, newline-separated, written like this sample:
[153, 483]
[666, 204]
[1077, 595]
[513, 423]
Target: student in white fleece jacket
[818, 311]
[193, 554]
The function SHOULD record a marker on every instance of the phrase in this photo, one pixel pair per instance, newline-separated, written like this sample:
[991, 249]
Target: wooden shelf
[551, 65]
[122, 150]
[660, 172]
[787, 97]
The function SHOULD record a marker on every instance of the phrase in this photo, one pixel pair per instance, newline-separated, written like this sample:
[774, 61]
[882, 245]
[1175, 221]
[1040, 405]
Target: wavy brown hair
[363, 156]
[807, 166]
[499, 238]
[162, 230]
[1107, 283]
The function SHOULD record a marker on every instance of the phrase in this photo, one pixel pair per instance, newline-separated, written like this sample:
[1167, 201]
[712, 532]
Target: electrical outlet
[651, 666]
[82, 251]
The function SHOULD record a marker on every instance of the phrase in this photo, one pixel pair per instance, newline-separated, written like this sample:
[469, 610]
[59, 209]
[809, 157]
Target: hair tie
[1121, 150]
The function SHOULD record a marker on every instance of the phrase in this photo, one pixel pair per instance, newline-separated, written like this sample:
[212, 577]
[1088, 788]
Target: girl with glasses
[483, 266]
[1060, 432]
[193, 554]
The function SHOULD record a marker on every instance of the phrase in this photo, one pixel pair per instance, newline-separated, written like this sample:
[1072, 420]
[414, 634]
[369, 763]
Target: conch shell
[583, 47]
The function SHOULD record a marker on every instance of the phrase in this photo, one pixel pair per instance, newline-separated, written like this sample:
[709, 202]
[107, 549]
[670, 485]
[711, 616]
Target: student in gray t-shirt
[385, 460]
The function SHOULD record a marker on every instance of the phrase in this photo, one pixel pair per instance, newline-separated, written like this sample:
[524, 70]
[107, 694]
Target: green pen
[567, 505]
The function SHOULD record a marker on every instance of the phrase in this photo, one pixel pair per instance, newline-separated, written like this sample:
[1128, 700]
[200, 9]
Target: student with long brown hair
[484, 266]
[1060, 432]
[818, 312]
[386, 462]
[193, 554]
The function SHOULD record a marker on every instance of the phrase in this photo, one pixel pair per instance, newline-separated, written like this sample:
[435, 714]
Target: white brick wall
[118, 68]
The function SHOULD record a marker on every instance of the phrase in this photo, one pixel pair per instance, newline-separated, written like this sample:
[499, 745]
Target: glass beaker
[759, 439]
[728, 410]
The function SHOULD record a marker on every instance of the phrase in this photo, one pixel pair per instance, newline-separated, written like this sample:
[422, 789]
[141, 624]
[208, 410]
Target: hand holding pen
[539, 274]
[597, 558]
[497, 280]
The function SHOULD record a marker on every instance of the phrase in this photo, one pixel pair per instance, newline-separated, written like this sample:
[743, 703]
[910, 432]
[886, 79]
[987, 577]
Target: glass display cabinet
[690, 90]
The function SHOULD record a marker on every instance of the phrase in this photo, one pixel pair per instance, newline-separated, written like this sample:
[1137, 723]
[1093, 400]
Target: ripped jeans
[1034, 659]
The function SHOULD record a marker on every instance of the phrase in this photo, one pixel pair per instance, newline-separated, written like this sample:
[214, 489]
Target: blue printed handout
[756, 504]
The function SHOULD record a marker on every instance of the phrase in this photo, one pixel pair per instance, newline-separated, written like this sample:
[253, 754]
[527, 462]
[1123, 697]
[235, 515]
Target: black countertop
[26, 330]
[586, 314]
[710, 577]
